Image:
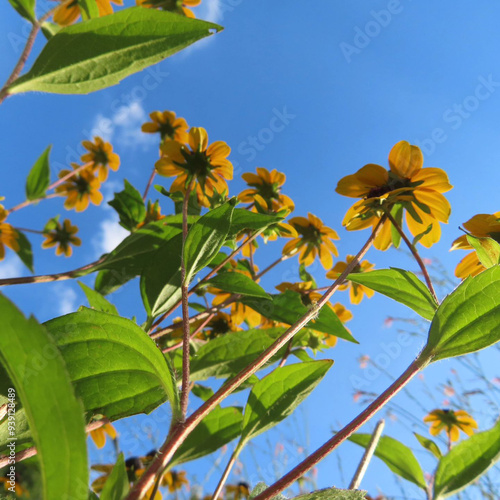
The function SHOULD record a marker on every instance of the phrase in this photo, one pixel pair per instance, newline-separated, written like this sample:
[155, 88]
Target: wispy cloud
[109, 236]
[11, 267]
[65, 298]
[212, 11]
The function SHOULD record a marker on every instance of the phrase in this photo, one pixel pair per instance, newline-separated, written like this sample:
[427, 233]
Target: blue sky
[315, 90]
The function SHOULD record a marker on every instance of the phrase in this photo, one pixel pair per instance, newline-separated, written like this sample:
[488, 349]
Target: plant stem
[367, 456]
[349, 429]
[180, 432]
[153, 175]
[415, 254]
[225, 475]
[271, 266]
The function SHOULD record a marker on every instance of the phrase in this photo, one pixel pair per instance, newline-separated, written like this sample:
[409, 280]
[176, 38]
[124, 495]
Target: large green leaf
[326, 494]
[466, 462]
[117, 484]
[246, 220]
[468, 319]
[25, 8]
[288, 308]
[115, 367]
[217, 429]
[402, 286]
[130, 206]
[23, 433]
[43, 386]
[226, 355]
[38, 179]
[98, 53]
[398, 457]
[234, 282]
[206, 237]
[97, 301]
[276, 396]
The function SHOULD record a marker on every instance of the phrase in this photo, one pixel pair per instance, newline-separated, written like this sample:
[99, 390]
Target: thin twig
[271, 266]
[226, 473]
[367, 456]
[148, 186]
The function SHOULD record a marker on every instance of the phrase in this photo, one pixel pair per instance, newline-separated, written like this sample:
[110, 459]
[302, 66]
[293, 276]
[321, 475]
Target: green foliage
[429, 444]
[23, 433]
[25, 252]
[116, 369]
[402, 286]
[326, 494]
[130, 206]
[45, 391]
[245, 220]
[38, 179]
[26, 8]
[89, 9]
[234, 282]
[466, 462]
[117, 485]
[487, 249]
[398, 457]
[97, 301]
[468, 319]
[101, 52]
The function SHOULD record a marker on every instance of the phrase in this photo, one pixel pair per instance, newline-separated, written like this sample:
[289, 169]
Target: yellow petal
[439, 206]
[433, 178]
[198, 139]
[469, 266]
[405, 160]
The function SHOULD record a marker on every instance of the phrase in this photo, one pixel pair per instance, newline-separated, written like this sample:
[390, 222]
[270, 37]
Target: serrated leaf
[117, 484]
[401, 286]
[206, 237]
[247, 220]
[325, 494]
[276, 396]
[468, 319]
[234, 282]
[130, 206]
[217, 429]
[287, 308]
[101, 52]
[88, 9]
[38, 372]
[25, 252]
[97, 301]
[466, 462]
[398, 457]
[26, 8]
[39, 177]
[116, 368]
[487, 249]
[429, 444]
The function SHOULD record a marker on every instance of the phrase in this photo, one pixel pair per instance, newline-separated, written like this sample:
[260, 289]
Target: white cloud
[11, 267]
[124, 127]
[109, 236]
[213, 11]
[65, 299]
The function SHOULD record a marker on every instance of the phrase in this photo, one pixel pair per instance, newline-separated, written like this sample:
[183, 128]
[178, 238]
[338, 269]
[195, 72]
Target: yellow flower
[314, 240]
[69, 11]
[356, 291]
[99, 435]
[482, 226]
[207, 165]
[168, 125]
[174, 480]
[63, 237]
[220, 324]
[268, 186]
[101, 155]
[80, 189]
[416, 189]
[240, 313]
[178, 6]
[452, 422]
[18, 489]
[8, 235]
[153, 213]
[238, 491]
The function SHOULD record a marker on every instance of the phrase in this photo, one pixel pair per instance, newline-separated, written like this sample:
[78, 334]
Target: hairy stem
[148, 186]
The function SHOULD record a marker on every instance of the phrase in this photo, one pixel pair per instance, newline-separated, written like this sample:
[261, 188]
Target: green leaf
[101, 52]
[397, 213]
[97, 301]
[306, 276]
[398, 457]
[23, 433]
[276, 396]
[466, 462]
[419, 236]
[130, 206]
[287, 308]
[402, 286]
[117, 484]
[487, 249]
[26, 8]
[233, 282]
[202, 392]
[88, 9]
[50, 29]
[429, 444]
[226, 355]
[38, 372]
[39, 177]
[206, 237]
[247, 220]
[325, 494]
[468, 319]
[217, 429]
[25, 252]
[116, 368]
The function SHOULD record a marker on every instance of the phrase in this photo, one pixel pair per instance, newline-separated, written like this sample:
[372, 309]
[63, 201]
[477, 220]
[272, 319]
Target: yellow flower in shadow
[206, 165]
[314, 240]
[80, 189]
[100, 155]
[174, 480]
[356, 291]
[69, 11]
[167, 125]
[417, 190]
[99, 435]
[178, 6]
[452, 422]
[481, 226]
[238, 491]
[63, 236]
[8, 235]
[220, 324]
[153, 213]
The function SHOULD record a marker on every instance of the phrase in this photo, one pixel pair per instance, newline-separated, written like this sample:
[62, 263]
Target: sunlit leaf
[39, 177]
